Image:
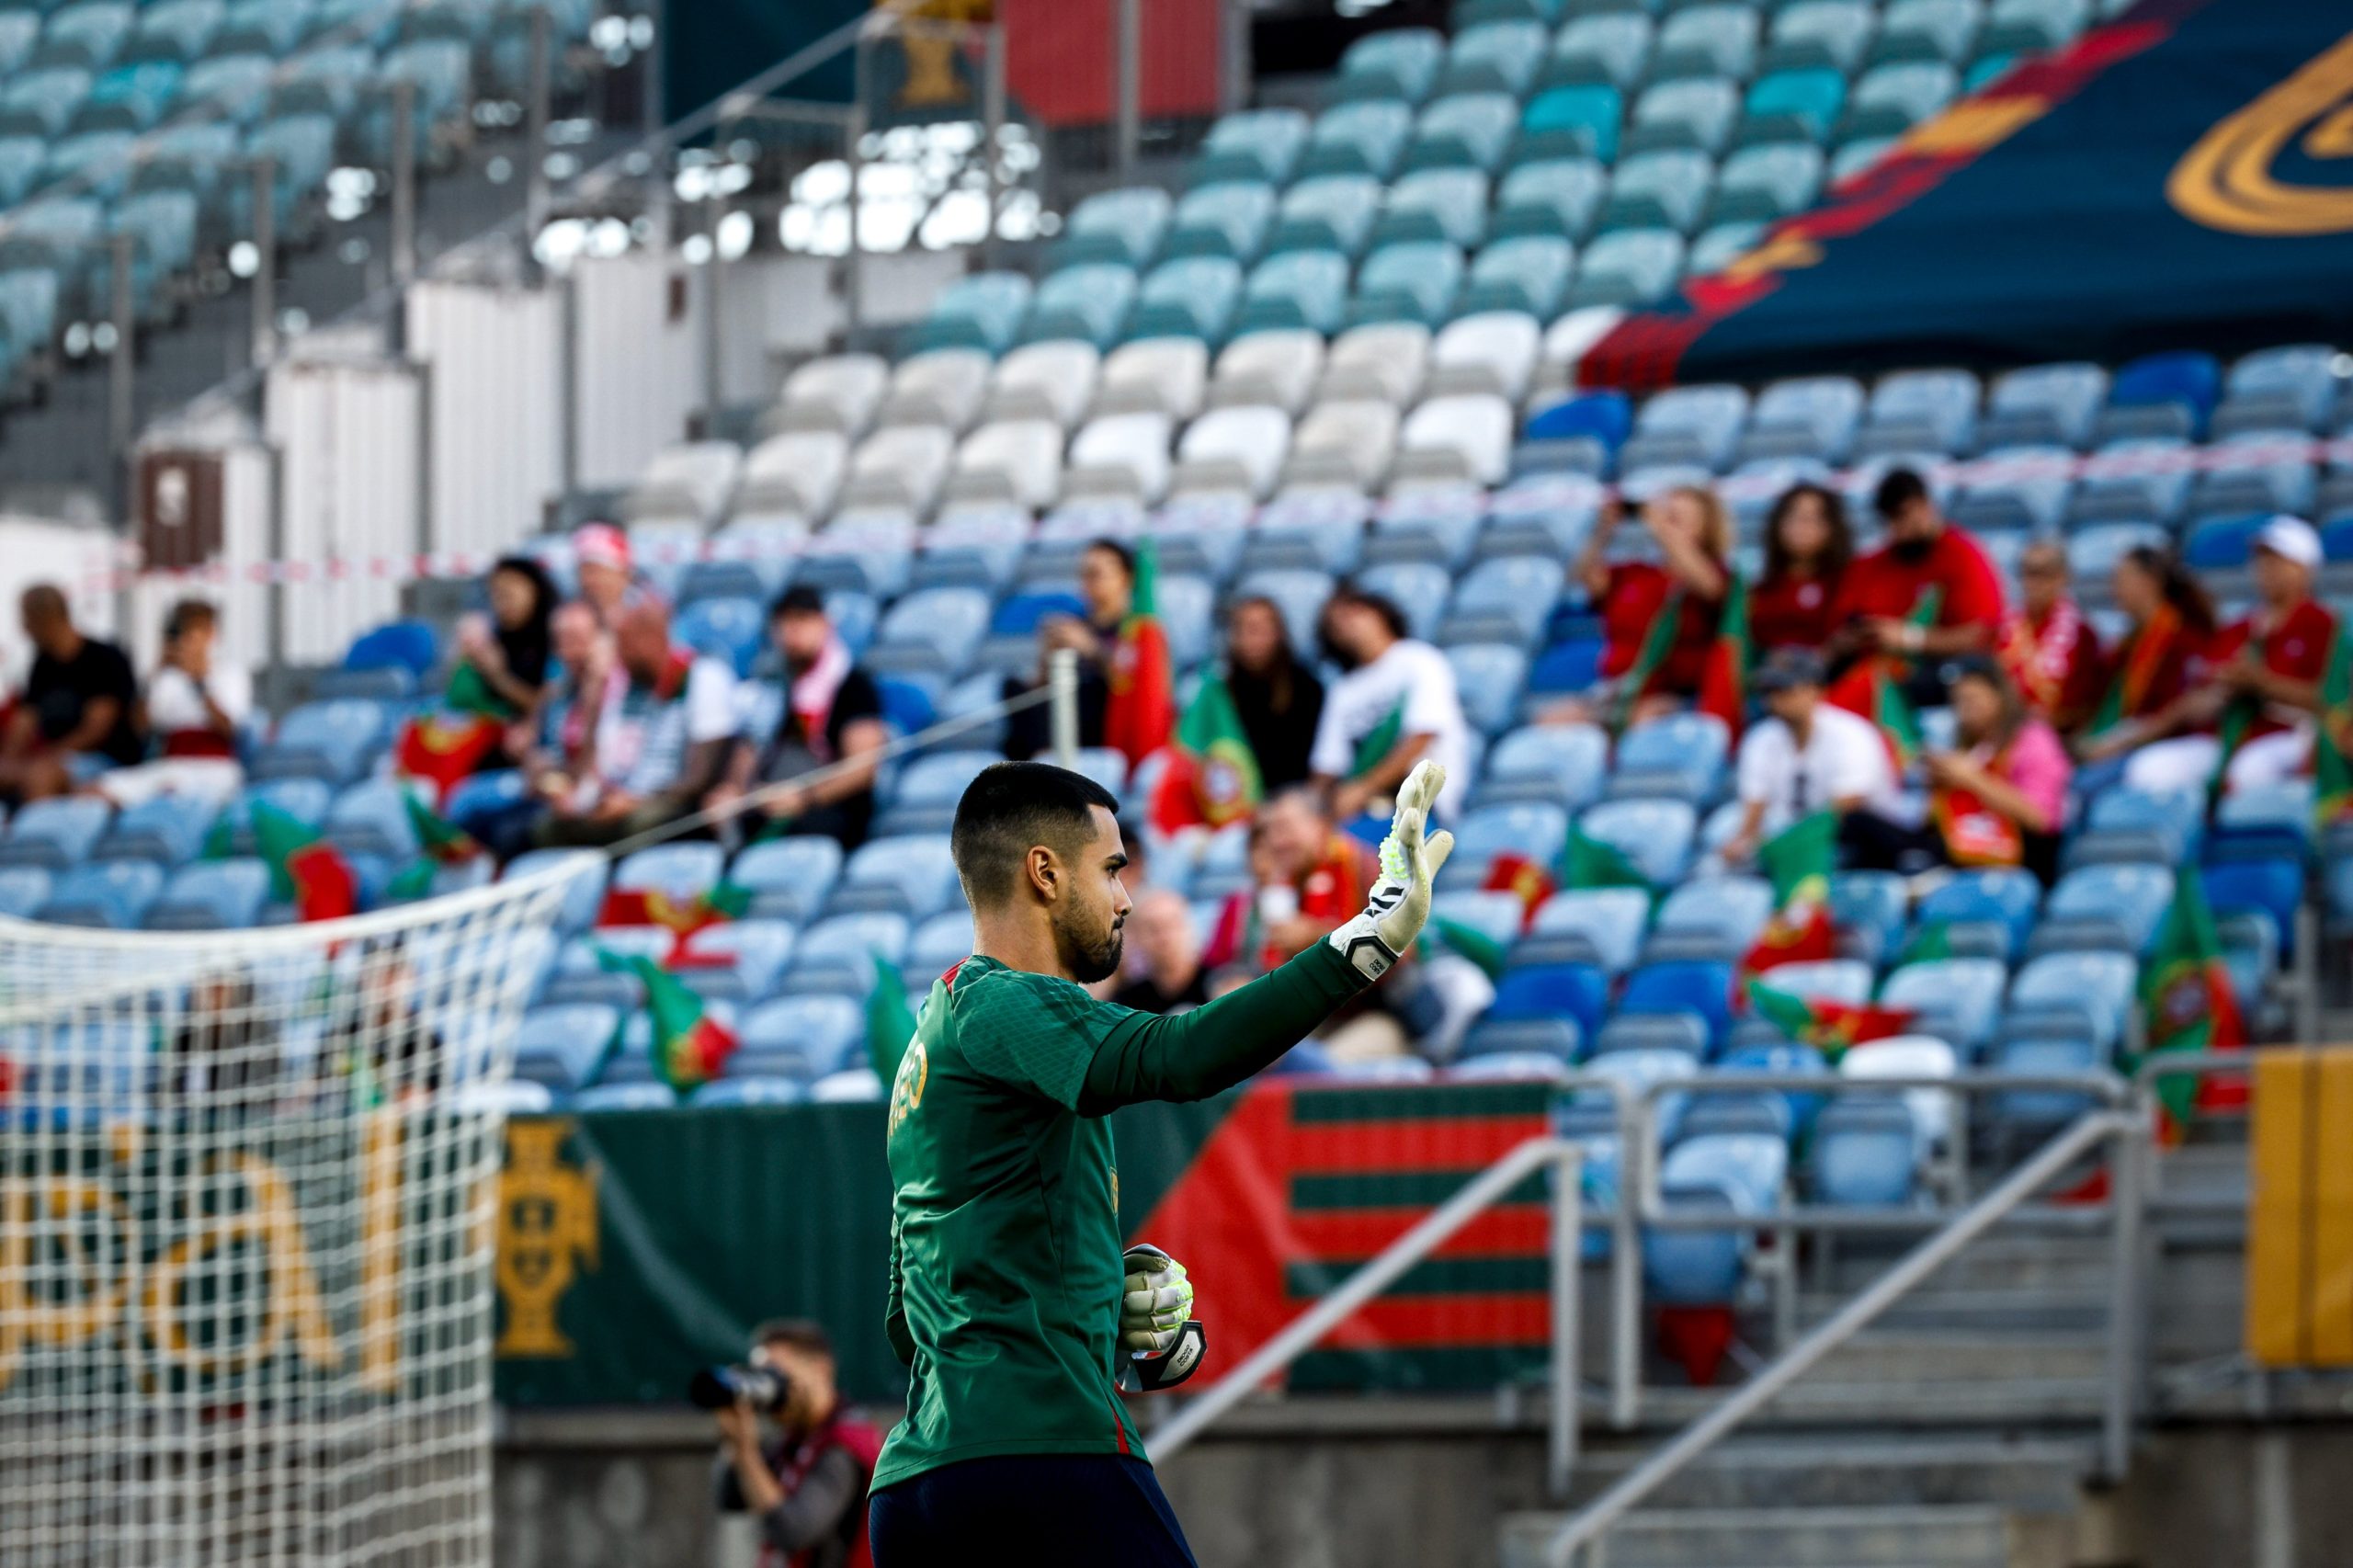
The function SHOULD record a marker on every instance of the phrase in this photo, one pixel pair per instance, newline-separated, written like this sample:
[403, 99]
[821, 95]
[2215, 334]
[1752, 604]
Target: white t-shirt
[1843, 757]
[1413, 681]
[174, 702]
[642, 741]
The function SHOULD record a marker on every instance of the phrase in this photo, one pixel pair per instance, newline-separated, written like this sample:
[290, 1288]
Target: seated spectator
[2253, 696]
[1307, 872]
[379, 1045]
[76, 715]
[1279, 699]
[1107, 582]
[223, 1057]
[1926, 595]
[1998, 799]
[2049, 647]
[662, 743]
[1394, 704]
[609, 582]
[1647, 670]
[2149, 673]
[1167, 974]
[503, 657]
[196, 701]
[1807, 546]
[1809, 756]
[833, 713]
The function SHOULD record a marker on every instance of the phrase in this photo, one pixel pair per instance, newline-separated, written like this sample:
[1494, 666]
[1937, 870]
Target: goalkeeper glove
[1401, 899]
[1154, 1303]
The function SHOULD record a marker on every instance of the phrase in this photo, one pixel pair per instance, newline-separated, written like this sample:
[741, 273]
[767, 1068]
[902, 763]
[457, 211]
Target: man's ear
[1044, 869]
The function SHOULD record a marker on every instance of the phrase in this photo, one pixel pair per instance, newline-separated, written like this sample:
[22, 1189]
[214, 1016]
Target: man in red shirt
[2259, 688]
[1926, 595]
[2049, 647]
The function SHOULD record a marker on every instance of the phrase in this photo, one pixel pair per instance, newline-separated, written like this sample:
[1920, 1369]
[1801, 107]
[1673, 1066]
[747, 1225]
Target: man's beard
[1090, 957]
[1910, 552]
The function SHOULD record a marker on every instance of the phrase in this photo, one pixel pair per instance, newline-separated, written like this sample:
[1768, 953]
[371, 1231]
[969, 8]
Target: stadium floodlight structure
[247, 1193]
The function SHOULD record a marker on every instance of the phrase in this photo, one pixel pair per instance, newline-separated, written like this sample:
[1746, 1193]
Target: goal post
[245, 1233]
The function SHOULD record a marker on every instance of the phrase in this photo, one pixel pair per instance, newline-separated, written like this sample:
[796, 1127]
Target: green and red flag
[304, 869]
[1798, 860]
[1869, 688]
[2187, 997]
[1523, 878]
[681, 917]
[1830, 1027]
[890, 1022]
[2332, 768]
[1588, 862]
[1723, 686]
[1212, 773]
[1658, 641]
[443, 748]
[1141, 712]
[1466, 941]
[689, 1045]
[1931, 943]
[442, 841]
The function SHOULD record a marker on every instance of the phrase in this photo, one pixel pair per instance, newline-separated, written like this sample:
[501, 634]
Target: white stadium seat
[1018, 461]
[688, 483]
[942, 387]
[1348, 443]
[1382, 360]
[1273, 370]
[1121, 454]
[1449, 440]
[1494, 351]
[1232, 450]
[1045, 380]
[900, 465]
[796, 474]
[839, 392]
[1155, 375]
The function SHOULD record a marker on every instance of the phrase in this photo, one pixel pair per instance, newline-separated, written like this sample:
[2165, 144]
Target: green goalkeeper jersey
[1005, 1231]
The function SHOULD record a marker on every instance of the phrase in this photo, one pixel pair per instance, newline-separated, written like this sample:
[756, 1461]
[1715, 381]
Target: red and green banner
[1588, 862]
[1213, 774]
[1723, 686]
[1141, 712]
[2185, 996]
[1658, 641]
[1525, 879]
[1869, 688]
[2332, 768]
[890, 1022]
[689, 1045]
[1798, 860]
[1830, 1027]
[681, 915]
[304, 869]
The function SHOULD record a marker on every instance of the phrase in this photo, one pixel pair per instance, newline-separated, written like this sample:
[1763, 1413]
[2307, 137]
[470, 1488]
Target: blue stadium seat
[584, 891]
[1505, 599]
[607, 1098]
[1683, 986]
[23, 890]
[1259, 145]
[1707, 41]
[837, 955]
[1629, 267]
[981, 310]
[1680, 1030]
[739, 960]
[2092, 991]
[1527, 273]
[1610, 49]
[1576, 992]
[1695, 112]
[1534, 829]
[1665, 189]
[333, 740]
[1680, 756]
[1656, 835]
[1088, 302]
[1928, 30]
[1493, 57]
[562, 1047]
[748, 1091]
[372, 818]
[1563, 764]
[113, 894]
[1359, 139]
[2053, 405]
[1122, 226]
[1401, 64]
[1603, 926]
[1297, 288]
[2290, 389]
[1229, 218]
[2163, 394]
[1554, 197]
[1863, 1154]
[168, 829]
[1433, 204]
[1489, 676]
[789, 878]
[1985, 913]
[2105, 908]
[679, 870]
[2128, 825]
[211, 895]
[1192, 296]
[1786, 1060]
[801, 1038]
[1494, 1038]
[732, 630]
[1571, 124]
[55, 833]
[1956, 999]
[911, 876]
[945, 940]
[1720, 917]
[1740, 1172]
[2272, 888]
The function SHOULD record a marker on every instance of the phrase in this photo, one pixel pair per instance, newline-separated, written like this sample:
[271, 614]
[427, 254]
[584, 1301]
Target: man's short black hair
[801, 1333]
[1898, 488]
[801, 598]
[1012, 806]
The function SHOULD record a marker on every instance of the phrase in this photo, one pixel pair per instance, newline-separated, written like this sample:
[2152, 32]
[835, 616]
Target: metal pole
[403, 219]
[2124, 1326]
[854, 275]
[276, 605]
[1626, 1269]
[1061, 706]
[535, 135]
[993, 130]
[1589, 1525]
[1568, 1238]
[1127, 87]
[713, 384]
[120, 371]
[265, 239]
[1234, 66]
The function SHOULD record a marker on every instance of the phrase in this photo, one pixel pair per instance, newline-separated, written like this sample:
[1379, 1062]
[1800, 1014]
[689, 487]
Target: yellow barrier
[2300, 1210]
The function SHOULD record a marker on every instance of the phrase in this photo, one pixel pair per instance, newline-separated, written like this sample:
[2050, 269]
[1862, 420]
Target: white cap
[2290, 539]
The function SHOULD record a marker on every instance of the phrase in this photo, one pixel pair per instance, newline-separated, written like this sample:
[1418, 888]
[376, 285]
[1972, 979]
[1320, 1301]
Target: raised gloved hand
[1409, 863]
[1154, 1303]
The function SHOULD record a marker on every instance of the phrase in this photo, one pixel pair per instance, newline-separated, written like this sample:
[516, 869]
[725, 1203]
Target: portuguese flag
[1523, 879]
[1723, 687]
[689, 1045]
[1212, 775]
[2333, 770]
[1870, 690]
[2187, 997]
[1798, 861]
[890, 1022]
[682, 918]
[1141, 709]
[1658, 641]
[443, 842]
[1467, 941]
[1830, 1027]
[304, 869]
[1587, 862]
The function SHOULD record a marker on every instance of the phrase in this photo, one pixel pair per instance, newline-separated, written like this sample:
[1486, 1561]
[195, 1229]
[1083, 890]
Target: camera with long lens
[718, 1388]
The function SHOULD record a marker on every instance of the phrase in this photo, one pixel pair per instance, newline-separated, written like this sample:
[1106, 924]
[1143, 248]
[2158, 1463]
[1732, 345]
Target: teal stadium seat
[1558, 195]
[441, 72]
[2026, 27]
[981, 312]
[1985, 69]
[1794, 106]
[1227, 220]
[1767, 183]
[1327, 212]
[1528, 272]
[1631, 267]
[302, 149]
[1853, 157]
[19, 32]
[162, 227]
[1088, 302]
[1571, 122]
[1193, 296]
[86, 37]
[269, 28]
[1435, 204]
[326, 82]
[1471, 13]
[1298, 289]
[1124, 226]
[40, 102]
[21, 158]
[1695, 113]
[1414, 281]
[1472, 130]
[1659, 190]
[236, 84]
[1720, 246]
[1612, 8]
[96, 162]
[1359, 139]
[1256, 144]
[1400, 64]
[1937, 30]
[1891, 99]
[1709, 40]
[131, 98]
[1833, 33]
[1493, 57]
[1608, 50]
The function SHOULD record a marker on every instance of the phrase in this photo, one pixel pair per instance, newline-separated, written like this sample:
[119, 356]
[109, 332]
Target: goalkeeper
[1006, 1274]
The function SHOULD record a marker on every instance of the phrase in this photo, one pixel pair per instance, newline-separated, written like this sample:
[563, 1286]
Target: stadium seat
[1655, 835]
[1890, 99]
[24, 889]
[584, 891]
[837, 955]
[1122, 226]
[1800, 107]
[1717, 918]
[1366, 139]
[1232, 450]
[1256, 145]
[1741, 1173]
[1501, 1044]
[2167, 394]
[1764, 183]
[1631, 267]
[1576, 992]
[1698, 113]
[108, 894]
[1864, 1153]
[942, 386]
[2092, 992]
[1984, 913]
[1680, 756]
[1493, 57]
[2288, 389]
[2105, 908]
[55, 834]
[929, 789]
[737, 960]
[1565, 763]
[839, 394]
[1831, 33]
[1401, 64]
[912, 875]
[1052, 380]
[563, 1046]
[333, 742]
[2018, 27]
[1955, 997]
[799, 1038]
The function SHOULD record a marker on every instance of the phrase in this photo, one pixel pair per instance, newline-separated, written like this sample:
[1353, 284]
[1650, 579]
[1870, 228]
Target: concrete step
[1955, 1536]
[1913, 1404]
[1857, 1469]
[1977, 1311]
[1915, 1356]
[2015, 1262]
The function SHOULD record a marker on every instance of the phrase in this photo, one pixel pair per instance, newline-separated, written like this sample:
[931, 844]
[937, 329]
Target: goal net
[245, 1203]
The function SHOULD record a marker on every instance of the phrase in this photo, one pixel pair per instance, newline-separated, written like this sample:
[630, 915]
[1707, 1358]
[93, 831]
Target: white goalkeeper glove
[1154, 1303]
[1409, 863]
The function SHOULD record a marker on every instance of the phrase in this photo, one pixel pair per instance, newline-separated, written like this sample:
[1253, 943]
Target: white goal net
[246, 1290]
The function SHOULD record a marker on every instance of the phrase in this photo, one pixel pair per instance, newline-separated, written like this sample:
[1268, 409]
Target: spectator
[379, 1046]
[1107, 582]
[76, 715]
[1279, 699]
[1394, 704]
[2259, 683]
[1929, 591]
[806, 1484]
[1639, 680]
[224, 1055]
[833, 713]
[2049, 647]
[2172, 621]
[2000, 799]
[1171, 977]
[609, 585]
[509, 651]
[196, 701]
[1807, 546]
[663, 738]
[1809, 756]
[1136, 875]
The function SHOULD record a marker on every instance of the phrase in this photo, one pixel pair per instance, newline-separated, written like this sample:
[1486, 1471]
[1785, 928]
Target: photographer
[808, 1481]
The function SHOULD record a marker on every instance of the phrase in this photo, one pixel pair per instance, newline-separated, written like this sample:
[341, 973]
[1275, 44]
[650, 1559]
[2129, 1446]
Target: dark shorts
[1043, 1511]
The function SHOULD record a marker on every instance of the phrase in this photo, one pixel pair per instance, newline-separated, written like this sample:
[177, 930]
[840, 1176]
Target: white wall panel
[774, 309]
[637, 361]
[494, 356]
[349, 434]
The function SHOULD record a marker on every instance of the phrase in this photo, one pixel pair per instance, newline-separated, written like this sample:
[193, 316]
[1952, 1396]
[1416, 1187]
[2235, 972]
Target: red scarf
[2041, 662]
[1975, 834]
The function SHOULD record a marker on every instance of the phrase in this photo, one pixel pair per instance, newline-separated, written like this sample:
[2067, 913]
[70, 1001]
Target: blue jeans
[1042, 1511]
